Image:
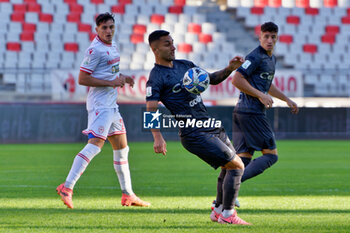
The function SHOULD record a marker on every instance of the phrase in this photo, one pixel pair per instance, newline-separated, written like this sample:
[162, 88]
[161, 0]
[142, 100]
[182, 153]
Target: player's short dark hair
[156, 35]
[269, 27]
[104, 17]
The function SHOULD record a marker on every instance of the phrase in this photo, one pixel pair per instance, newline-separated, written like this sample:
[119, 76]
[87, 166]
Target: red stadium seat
[260, 3]
[345, 20]
[310, 48]
[92, 36]
[13, 46]
[332, 29]
[71, 47]
[137, 38]
[287, 39]
[119, 9]
[184, 48]
[179, 2]
[311, 11]
[76, 8]
[28, 27]
[34, 7]
[293, 19]
[302, 3]
[275, 3]
[330, 3]
[47, 18]
[82, 27]
[29, 1]
[97, 1]
[17, 17]
[157, 19]
[328, 38]
[4, 0]
[257, 30]
[257, 10]
[194, 28]
[27, 36]
[139, 29]
[70, 1]
[123, 2]
[175, 9]
[19, 7]
[73, 17]
[205, 38]
[348, 11]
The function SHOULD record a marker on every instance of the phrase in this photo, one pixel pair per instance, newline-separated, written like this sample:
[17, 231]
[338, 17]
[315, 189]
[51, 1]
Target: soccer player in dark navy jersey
[210, 144]
[251, 130]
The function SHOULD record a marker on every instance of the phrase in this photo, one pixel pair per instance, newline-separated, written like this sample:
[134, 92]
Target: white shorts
[103, 123]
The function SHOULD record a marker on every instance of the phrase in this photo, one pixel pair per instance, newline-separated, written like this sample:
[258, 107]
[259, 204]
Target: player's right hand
[118, 82]
[159, 146]
[266, 100]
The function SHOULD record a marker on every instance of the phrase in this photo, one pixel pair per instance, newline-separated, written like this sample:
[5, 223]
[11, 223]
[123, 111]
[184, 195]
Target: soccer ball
[196, 80]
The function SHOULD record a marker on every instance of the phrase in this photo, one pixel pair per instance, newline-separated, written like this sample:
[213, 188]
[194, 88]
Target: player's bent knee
[272, 159]
[235, 163]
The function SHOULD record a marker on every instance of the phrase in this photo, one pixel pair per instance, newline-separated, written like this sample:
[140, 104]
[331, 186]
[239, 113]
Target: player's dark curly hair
[156, 35]
[269, 27]
[104, 17]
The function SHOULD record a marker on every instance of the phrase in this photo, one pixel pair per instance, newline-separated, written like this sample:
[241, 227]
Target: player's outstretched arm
[275, 92]
[243, 85]
[86, 79]
[219, 76]
[159, 144]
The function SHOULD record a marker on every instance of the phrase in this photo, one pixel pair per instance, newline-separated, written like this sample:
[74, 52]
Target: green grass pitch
[308, 190]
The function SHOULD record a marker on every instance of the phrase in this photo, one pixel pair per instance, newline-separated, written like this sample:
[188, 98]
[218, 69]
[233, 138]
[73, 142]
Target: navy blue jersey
[165, 85]
[259, 70]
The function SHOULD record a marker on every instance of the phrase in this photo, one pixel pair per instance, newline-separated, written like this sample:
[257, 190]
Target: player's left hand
[235, 62]
[293, 106]
[128, 80]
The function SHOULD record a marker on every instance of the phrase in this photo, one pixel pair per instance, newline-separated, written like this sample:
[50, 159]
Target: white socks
[80, 163]
[227, 213]
[121, 167]
[218, 209]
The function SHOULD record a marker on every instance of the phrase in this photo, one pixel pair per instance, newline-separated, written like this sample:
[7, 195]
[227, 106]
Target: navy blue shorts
[252, 132]
[214, 147]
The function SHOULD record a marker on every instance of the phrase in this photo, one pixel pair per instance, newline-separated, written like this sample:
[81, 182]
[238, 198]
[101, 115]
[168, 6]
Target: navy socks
[259, 165]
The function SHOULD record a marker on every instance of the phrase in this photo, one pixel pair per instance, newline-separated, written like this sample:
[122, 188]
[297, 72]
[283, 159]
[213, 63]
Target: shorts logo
[151, 120]
[246, 64]
[97, 112]
[101, 129]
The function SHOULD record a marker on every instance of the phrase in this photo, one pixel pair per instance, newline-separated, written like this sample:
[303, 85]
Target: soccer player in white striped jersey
[100, 71]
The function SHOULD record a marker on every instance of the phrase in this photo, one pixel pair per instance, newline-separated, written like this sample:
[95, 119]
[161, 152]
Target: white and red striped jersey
[101, 61]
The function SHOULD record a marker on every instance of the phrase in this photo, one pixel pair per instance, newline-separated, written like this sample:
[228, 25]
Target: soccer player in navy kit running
[210, 144]
[251, 130]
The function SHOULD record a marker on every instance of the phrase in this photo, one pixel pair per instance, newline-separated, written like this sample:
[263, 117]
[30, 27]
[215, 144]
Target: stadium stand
[41, 35]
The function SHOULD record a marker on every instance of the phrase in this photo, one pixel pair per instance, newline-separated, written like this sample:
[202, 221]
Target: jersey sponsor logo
[115, 69]
[110, 62]
[177, 88]
[266, 75]
[246, 64]
[148, 91]
[90, 51]
[195, 101]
